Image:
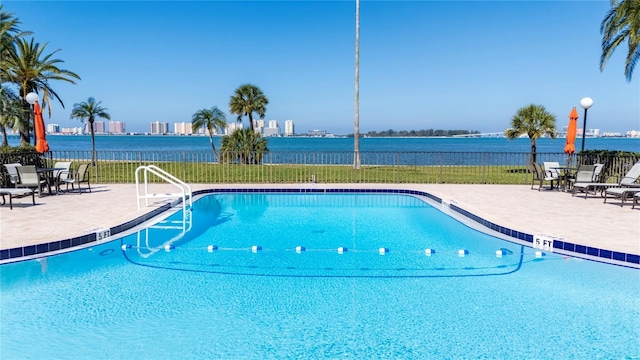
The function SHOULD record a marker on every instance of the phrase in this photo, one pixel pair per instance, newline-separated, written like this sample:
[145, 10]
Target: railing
[185, 189]
[330, 167]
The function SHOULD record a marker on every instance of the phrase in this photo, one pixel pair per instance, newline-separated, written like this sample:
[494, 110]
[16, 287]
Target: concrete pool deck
[588, 222]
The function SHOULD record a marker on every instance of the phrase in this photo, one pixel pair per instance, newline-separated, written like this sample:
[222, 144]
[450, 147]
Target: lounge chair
[584, 175]
[541, 176]
[81, 176]
[29, 178]
[628, 185]
[636, 200]
[15, 193]
[622, 193]
[12, 171]
[628, 180]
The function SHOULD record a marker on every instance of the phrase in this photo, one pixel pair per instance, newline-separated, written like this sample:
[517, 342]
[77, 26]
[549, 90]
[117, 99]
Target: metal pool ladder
[185, 189]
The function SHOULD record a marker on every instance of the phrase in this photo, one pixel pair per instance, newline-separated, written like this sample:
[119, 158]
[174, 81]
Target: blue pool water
[229, 302]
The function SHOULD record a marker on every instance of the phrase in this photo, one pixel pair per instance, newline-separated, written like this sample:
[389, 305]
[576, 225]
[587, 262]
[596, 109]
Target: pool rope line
[502, 252]
[517, 268]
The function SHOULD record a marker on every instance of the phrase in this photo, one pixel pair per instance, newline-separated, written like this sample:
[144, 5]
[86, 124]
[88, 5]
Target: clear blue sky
[423, 64]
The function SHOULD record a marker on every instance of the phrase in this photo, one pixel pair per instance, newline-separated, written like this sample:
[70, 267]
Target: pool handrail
[185, 189]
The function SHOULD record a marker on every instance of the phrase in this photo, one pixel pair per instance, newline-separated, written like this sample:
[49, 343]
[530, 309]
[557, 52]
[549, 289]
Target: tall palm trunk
[213, 146]
[93, 143]
[533, 150]
[25, 137]
[5, 141]
[356, 125]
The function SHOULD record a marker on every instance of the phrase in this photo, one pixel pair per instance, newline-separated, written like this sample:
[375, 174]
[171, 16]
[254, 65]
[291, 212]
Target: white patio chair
[540, 175]
[12, 171]
[29, 178]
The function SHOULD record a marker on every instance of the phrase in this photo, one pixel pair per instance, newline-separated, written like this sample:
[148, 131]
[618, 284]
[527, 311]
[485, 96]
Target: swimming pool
[260, 276]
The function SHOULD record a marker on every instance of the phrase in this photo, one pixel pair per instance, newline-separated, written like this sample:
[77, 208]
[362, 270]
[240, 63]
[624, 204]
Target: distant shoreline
[14, 136]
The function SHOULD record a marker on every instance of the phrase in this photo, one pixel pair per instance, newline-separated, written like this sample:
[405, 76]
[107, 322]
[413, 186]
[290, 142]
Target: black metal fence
[328, 167]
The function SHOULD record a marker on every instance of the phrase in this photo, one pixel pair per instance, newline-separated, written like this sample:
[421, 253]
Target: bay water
[336, 144]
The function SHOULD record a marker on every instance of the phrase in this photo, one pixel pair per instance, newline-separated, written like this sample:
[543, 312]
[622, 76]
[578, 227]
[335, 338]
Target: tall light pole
[356, 124]
[32, 98]
[586, 104]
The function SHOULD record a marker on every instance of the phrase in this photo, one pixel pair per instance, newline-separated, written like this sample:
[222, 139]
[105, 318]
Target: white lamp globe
[586, 103]
[32, 98]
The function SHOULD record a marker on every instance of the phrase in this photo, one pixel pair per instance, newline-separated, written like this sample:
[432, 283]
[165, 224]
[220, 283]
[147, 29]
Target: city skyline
[273, 129]
[423, 65]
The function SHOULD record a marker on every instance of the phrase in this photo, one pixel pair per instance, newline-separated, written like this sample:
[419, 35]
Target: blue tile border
[19, 252]
[518, 236]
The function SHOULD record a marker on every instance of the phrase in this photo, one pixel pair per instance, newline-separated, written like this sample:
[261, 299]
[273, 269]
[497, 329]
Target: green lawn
[124, 172]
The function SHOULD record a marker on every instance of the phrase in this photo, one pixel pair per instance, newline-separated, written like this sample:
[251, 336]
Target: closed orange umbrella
[569, 147]
[41, 134]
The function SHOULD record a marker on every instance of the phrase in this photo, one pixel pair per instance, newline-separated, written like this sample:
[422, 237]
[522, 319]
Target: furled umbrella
[41, 135]
[570, 147]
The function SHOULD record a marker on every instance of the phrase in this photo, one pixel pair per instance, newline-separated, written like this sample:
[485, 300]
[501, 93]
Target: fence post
[440, 181]
[184, 165]
[484, 168]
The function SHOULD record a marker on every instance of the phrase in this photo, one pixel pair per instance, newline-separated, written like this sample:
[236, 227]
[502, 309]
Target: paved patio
[587, 222]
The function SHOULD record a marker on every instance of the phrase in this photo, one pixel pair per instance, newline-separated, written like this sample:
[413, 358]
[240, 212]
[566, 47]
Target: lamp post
[32, 98]
[586, 104]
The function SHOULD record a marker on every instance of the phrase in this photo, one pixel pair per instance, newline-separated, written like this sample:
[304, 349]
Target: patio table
[565, 172]
[49, 177]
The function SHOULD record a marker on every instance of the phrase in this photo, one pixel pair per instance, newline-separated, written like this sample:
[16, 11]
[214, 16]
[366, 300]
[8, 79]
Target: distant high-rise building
[233, 126]
[258, 126]
[72, 131]
[53, 128]
[289, 128]
[98, 127]
[182, 128]
[159, 128]
[117, 127]
[272, 130]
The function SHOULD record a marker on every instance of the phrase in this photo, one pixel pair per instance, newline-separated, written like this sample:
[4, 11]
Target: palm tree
[356, 126]
[213, 119]
[11, 112]
[32, 71]
[243, 146]
[90, 110]
[621, 23]
[9, 32]
[246, 100]
[534, 121]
